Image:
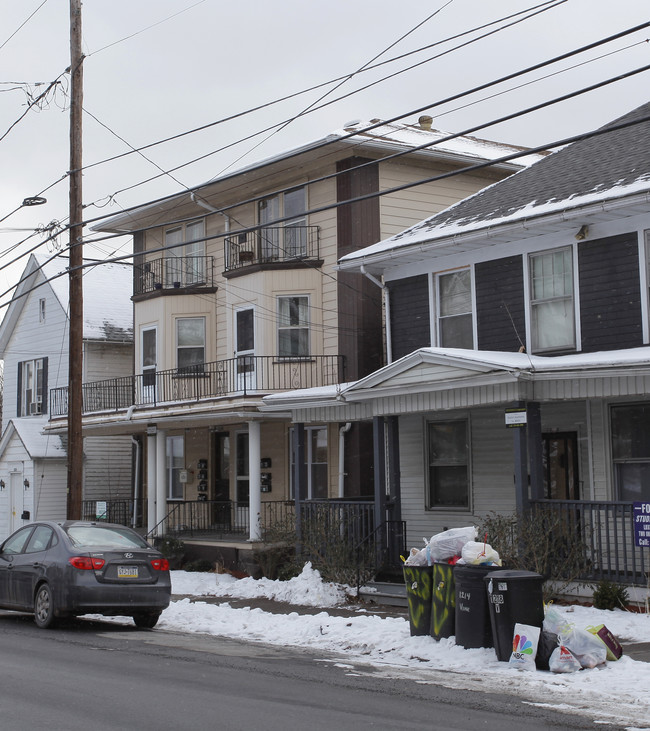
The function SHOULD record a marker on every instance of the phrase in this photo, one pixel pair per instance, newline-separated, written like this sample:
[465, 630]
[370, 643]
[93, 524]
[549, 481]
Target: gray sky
[145, 80]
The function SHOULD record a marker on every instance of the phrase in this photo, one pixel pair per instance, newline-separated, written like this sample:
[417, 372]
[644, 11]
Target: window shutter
[20, 389]
[46, 395]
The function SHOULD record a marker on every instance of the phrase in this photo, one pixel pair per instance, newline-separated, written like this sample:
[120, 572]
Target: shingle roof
[596, 168]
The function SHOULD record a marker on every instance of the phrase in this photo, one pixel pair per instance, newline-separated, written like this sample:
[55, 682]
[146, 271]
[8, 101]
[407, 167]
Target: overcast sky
[156, 68]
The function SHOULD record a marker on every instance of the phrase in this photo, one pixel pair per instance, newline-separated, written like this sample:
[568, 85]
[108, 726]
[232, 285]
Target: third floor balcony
[173, 273]
[272, 246]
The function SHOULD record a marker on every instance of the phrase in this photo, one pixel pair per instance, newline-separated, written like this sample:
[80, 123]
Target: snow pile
[308, 589]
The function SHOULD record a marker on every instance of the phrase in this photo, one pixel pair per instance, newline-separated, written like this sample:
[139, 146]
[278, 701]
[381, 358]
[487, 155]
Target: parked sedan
[65, 569]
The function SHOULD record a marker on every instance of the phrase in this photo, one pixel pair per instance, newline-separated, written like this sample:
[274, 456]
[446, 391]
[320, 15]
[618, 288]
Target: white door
[245, 349]
[149, 355]
[17, 499]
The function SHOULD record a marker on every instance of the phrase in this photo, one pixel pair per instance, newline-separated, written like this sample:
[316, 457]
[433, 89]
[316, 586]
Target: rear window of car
[95, 536]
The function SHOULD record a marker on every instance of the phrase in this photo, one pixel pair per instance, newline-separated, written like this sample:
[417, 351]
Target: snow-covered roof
[609, 167]
[30, 432]
[386, 137]
[107, 290]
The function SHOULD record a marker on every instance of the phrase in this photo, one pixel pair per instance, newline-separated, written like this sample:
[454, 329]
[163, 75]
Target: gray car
[70, 568]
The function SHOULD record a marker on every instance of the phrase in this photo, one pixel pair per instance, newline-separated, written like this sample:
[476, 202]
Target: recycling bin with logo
[419, 581]
[443, 601]
[473, 624]
[513, 596]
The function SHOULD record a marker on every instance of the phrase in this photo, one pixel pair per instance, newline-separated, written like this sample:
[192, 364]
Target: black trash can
[419, 580]
[473, 624]
[513, 596]
[443, 602]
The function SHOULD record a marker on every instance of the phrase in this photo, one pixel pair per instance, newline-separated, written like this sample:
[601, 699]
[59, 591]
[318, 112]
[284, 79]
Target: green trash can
[419, 582]
[443, 603]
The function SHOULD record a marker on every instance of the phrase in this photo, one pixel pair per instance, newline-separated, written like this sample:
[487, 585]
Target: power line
[23, 24]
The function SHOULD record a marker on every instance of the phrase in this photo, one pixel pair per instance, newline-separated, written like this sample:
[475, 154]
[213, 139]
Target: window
[41, 310]
[288, 239]
[552, 315]
[40, 539]
[190, 342]
[631, 451]
[185, 254]
[175, 463]
[455, 321]
[316, 461]
[448, 457]
[32, 380]
[293, 326]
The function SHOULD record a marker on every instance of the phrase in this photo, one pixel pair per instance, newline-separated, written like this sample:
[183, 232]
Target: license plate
[127, 572]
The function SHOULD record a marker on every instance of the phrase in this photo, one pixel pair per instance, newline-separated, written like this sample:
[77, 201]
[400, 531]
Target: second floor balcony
[240, 376]
[272, 245]
[173, 273]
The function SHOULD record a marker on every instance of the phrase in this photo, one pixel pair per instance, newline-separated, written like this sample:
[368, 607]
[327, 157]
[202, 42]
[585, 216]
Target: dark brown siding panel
[500, 305]
[359, 300]
[610, 293]
[410, 320]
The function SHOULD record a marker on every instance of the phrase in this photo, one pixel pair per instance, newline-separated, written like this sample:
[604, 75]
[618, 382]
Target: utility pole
[75, 355]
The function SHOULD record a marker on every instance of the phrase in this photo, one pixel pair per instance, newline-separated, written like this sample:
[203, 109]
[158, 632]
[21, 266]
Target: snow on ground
[616, 692]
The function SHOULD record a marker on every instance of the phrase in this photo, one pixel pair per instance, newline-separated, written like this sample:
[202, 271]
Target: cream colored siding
[107, 360]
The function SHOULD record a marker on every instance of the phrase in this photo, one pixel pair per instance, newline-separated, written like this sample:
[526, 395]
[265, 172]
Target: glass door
[245, 349]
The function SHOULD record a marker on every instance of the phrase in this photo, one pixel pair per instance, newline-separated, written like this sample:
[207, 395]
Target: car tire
[44, 607]
[146, 620]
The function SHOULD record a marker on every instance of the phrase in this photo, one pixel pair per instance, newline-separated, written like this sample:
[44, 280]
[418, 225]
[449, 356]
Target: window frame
[33, 372]
[438, 307]
[300, 327]
[291, 245]
[188, 250]
[621, 462]
[197, 368]
[311, 432]
[175, 488]
[534, 304]
[430, 502]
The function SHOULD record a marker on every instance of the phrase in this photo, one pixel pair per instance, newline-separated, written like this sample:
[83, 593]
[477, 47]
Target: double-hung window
[32, 376]
[630, 425]
[454, 300]
[190, 344]
[185, 254]
[316, 462]
[293, 326]
[552, 308]
[288, 239]
[448, 460]
[175, 464]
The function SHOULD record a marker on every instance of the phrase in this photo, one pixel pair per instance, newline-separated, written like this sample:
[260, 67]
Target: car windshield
[91, 536]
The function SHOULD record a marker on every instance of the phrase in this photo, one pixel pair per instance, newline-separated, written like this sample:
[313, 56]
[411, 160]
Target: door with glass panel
[242, 482]
[149, 362]
[194, 253]
[269, 211]
[245, 349]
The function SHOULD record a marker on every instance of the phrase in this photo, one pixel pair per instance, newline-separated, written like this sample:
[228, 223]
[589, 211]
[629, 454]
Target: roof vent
[425, 122]
[351, 123]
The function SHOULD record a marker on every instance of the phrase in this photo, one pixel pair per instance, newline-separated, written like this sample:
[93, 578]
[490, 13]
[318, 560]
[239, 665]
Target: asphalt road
[101, 676]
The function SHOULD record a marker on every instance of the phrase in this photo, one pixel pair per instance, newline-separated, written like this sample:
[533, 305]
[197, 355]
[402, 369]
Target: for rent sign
[642, 524]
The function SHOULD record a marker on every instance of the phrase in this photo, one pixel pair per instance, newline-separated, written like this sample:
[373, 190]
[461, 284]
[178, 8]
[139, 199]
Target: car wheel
[44, 607]
[146, 620]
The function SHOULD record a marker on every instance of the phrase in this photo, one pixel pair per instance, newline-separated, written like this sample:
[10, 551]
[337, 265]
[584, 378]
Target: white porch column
[161, 480]
[151, 481]
[254, 480]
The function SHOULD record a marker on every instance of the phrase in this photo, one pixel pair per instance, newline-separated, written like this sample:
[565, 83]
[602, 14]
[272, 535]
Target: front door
[149, 351]
[17, 501]
[245, 349]
[242, 478]
[560, 461]
[221, 479]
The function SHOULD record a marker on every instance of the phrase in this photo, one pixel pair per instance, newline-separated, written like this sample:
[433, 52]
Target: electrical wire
[23, 24]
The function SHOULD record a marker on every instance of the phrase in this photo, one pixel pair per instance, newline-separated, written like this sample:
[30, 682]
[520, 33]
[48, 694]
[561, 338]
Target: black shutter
[45, 391]
[20, 388]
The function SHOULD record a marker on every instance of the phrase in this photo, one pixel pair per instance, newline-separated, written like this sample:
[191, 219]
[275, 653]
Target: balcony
[242, 376]
[273, 246]
[173, 273]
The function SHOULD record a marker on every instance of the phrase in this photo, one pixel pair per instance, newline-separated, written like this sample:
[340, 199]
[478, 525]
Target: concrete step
[383, 592]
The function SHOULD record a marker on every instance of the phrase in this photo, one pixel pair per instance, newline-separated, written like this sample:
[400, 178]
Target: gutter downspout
[342, 432]
[212, 209]
[386, 302]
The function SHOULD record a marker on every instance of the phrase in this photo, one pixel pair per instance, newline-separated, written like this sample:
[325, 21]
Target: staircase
[390, 593]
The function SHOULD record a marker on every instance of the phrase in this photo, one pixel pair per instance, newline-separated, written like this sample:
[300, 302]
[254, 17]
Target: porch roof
[448, 378]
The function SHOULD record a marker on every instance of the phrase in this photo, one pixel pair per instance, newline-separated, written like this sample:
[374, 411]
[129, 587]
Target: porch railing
[271, 244]
[607, 531]
[242, 375]
[125, 512]
[173, 272]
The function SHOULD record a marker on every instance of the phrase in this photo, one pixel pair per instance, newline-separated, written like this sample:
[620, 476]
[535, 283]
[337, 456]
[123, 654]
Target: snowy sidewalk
[307, 612]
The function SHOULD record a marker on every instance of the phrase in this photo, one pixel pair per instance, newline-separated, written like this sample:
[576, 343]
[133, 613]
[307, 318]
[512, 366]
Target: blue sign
[642, 524]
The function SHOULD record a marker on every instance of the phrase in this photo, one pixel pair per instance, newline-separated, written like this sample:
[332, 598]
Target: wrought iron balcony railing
[244, 375]
[271, 244]
[173, 272]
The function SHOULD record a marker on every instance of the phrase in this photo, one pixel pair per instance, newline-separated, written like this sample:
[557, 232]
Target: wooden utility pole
[75, 355]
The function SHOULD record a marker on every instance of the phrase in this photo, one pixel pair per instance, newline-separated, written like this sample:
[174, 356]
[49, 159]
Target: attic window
[41, 310]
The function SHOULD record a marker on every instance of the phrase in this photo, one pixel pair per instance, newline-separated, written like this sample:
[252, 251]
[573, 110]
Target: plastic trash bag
[548, 641]
[555, 621]
[450, 542]
[589, 650]
[524, 646]
[562, 660]
[417, 558]
[479, 553]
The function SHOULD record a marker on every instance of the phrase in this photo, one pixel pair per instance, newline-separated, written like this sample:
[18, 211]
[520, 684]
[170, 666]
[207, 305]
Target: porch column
[535, 456]
[299, 475]
[520, 440]
[161, 481]
[254, 481]
[379, 455]
[151, 481]
[394, 468]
